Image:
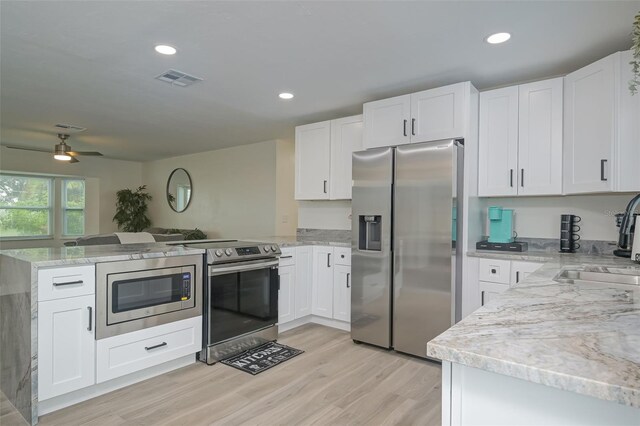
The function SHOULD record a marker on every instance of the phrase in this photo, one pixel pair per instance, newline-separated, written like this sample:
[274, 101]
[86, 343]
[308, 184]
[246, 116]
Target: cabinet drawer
[495, 271]
[135, 351]
[58, 283]
[342, 256]
[288, 257]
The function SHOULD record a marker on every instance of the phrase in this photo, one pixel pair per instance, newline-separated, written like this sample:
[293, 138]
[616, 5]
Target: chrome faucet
[624, 240]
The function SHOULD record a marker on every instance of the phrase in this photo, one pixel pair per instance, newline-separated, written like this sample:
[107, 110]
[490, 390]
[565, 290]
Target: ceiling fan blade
[74, 160]
[94, 153]
[24, 148]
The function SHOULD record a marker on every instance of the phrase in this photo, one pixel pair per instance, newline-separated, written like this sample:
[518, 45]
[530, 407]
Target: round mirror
[179, 190]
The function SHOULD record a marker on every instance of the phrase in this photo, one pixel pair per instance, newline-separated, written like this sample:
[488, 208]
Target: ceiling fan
[62, 151]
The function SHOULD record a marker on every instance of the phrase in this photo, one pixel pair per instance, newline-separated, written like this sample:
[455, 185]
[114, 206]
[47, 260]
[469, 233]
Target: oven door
[140, 294]
[242, 298]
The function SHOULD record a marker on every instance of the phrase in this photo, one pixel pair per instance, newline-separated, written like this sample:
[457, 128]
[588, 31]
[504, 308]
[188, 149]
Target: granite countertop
[294, 241]
[59, 256]
[583, 338]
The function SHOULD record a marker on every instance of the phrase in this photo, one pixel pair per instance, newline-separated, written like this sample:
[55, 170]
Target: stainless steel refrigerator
[406, 265]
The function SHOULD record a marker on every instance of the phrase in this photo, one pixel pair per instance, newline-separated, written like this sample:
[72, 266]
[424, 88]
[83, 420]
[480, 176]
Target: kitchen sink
[603, 275]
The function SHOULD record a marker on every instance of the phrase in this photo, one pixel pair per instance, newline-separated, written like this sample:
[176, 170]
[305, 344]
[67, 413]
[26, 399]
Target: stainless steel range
[241, 297]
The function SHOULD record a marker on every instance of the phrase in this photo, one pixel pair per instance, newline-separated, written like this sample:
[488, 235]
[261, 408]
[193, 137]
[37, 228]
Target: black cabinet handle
[482, 298]
[149, 348]
[286, 257]
[511, 178]
[413, 126]
[328, 260]
[348, 275]
[517, 277]
[90, 309]
[522, 178]
[602, 176]
[404, 127]
[493, 271]
[67, 283]
[324, 183]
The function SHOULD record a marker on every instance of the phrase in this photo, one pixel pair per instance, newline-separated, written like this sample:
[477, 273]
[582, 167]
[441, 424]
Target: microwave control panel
[186, 286]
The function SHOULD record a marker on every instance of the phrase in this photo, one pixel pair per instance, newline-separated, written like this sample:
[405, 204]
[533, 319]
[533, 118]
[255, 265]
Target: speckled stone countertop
[583, 337]
[60, 256]
[294, 241]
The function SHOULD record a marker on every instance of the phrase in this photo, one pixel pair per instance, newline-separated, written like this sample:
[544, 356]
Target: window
[73, 207]
[34, 207]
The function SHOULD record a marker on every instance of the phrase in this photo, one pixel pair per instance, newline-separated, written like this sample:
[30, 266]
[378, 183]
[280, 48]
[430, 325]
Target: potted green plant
[635, 51]
[131, 209]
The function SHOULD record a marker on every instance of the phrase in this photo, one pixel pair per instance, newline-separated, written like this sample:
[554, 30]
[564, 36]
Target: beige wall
[106, 177]
[238, 192]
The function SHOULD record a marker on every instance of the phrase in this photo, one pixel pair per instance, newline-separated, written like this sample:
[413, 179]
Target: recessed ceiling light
[62, 157]
[286, 95]
[165, 49]
[498, 38]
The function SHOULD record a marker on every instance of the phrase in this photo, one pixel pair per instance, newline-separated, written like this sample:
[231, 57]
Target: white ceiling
[92, 63]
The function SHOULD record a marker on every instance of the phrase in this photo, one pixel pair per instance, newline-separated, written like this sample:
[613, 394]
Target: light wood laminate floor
[335, 382]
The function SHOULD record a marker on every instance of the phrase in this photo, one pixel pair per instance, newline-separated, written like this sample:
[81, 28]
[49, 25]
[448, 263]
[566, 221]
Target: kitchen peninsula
[69, 270]
[547, 351]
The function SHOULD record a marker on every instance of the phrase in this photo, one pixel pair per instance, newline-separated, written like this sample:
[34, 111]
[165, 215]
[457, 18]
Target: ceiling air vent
[178, 78]
[69, 128]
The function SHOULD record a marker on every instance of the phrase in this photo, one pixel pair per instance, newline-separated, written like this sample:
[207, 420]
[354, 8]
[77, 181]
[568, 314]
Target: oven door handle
[241, 267]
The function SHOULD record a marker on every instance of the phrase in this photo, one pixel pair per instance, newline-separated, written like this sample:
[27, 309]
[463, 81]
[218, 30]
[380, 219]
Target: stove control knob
[266, 249]
[219, 253]
[274, 248]
[228, 252]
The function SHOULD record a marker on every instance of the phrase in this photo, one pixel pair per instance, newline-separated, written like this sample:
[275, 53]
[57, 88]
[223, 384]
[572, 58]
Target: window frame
[56, 208]
[64, 209]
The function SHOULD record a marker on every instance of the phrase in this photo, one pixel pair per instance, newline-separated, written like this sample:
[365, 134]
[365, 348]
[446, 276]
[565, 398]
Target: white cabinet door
[286, 295]
[498, 142]
[521, 270]
[303, 281]
[589, 133]
[490, 290]
[342, 293]
[540, 138]
[66, 345]
[346, 138]
[323, 281]
[313, 157]
[438, 113]
[387, 122]
[628, 153]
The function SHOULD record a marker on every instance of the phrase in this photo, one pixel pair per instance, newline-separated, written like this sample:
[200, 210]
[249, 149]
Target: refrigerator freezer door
[371, 292]
[423, 221]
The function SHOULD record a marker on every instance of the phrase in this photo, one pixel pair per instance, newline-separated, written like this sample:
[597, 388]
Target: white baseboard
[68, 399]
[314, 319]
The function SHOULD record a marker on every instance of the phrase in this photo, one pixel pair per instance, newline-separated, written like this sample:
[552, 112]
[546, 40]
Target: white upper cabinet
[346, 138]
[540, 138]
[627, 170]
[521, 140]
[589, 127]
[387, 122]
[419, 117]
[498, 150]
[313, 156]
[323, 158]
[438, 113]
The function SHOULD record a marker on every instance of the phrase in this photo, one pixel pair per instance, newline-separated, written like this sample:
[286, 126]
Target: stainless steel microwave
[137, 294]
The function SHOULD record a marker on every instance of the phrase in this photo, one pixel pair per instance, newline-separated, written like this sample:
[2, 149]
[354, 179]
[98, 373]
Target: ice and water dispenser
[370, 232]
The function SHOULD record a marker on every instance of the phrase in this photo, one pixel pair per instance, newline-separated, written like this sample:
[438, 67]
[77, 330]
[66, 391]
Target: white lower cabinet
[302, 288]
[490, 290]
[66, 345]
[342, 293]
[322, 281]
[131, 352]
[521, 270]
[286, 294]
